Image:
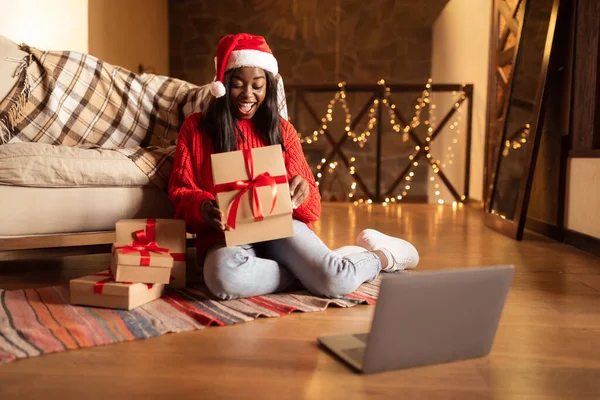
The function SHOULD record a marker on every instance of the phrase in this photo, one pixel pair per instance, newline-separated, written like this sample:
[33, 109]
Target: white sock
[400, 253]
[390, 259]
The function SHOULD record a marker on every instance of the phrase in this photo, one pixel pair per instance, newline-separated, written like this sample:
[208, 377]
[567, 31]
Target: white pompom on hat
[241, 50]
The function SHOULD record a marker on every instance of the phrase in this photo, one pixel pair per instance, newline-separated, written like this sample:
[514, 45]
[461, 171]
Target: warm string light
[449, 156]
[340, 97]
[363, 201]
[454, 126]
[432, 179]
[342, 100]
[331, 168]
[436, 165]
[423, 101]
[352, 170]
[361, 139]
[371, 121]
[321, 170]
[516, 144]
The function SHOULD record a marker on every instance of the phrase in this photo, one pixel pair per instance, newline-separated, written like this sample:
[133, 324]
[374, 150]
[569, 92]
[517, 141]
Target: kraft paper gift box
[101, 290]
[167, 233]
[137, 265]
[254, 195]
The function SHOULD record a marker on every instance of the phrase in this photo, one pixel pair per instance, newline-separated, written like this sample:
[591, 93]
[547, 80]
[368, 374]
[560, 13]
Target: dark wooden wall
[585, 129]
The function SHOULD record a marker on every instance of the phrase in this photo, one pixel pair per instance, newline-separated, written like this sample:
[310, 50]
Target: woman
[244, 115]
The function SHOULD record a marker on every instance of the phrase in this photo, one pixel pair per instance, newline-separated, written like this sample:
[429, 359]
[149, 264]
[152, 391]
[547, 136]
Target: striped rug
[41, 321]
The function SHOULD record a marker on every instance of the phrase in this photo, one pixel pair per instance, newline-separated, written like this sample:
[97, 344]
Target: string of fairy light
[450, 155]
[422, 101]
[430, 123]
[516, 144]
[362, 138]
[340, 97]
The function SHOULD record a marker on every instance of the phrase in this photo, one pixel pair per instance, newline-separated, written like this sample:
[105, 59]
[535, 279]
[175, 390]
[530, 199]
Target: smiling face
[248, 90]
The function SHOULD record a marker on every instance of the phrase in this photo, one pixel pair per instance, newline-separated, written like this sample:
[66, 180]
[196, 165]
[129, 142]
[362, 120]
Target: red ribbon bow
[264, 179]
[144, 246]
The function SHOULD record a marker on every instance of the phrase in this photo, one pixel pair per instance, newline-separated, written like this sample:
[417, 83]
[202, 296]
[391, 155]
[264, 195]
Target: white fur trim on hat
[217, 89]
[252, 58]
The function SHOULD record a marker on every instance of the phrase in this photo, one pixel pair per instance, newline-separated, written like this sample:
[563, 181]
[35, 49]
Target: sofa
[58, 187]
[56, 191]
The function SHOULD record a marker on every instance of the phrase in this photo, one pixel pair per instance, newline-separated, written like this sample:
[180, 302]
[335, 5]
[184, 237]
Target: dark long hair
[220, 124]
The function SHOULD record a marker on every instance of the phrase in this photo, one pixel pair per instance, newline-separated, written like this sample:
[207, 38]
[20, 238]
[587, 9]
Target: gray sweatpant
[273, 266]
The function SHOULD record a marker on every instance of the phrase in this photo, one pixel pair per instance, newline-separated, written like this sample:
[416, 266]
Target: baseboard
[582, 241]
[545, 229]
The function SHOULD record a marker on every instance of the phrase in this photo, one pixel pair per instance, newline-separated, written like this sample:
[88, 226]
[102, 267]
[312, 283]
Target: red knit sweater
[191, 181]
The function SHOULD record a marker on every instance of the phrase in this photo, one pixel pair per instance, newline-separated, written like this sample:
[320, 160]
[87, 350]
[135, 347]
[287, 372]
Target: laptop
[429, 317]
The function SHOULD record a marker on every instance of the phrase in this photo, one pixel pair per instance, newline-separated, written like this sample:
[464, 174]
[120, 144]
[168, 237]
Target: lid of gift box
[169, 233]
[231, 167]
[110, 288]
[158, 260]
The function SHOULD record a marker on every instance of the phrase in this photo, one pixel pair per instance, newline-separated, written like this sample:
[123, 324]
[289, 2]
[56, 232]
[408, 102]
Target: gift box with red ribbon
[254, 195]
[141, 263]
[151, 241]
[101, 290]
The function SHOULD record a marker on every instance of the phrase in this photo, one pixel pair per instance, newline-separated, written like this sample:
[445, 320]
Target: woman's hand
[212, 215]
[298, 190]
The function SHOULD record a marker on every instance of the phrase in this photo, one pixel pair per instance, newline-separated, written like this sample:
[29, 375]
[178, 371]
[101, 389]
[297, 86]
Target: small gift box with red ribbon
[101, 290]
[142, 263]
[146, 249]
[254, 194]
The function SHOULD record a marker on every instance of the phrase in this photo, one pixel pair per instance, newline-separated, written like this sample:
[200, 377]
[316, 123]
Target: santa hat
[241, 50]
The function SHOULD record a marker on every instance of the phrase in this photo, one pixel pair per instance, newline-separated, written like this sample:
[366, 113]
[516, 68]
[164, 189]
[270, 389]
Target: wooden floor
[547, 346]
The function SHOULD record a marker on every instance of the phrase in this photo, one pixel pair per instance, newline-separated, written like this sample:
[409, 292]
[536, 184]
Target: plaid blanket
[74, 99]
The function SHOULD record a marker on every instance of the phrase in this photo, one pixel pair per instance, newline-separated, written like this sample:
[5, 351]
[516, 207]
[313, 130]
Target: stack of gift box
[148, 256]
[252, 190]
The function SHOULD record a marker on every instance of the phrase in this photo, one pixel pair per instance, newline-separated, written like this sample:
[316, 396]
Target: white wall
[121, 32]
[46, 24]
[460, 54]
[583, 196]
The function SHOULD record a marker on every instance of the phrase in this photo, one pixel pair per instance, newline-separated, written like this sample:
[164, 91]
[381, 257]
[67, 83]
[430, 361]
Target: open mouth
[246, 108]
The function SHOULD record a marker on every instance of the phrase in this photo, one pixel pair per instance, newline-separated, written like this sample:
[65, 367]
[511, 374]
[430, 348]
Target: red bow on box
[144, 246]
[264, 179]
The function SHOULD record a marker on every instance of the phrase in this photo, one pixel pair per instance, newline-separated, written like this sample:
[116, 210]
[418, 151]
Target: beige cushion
[44, 165]
[42, 211]
[8, 50]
